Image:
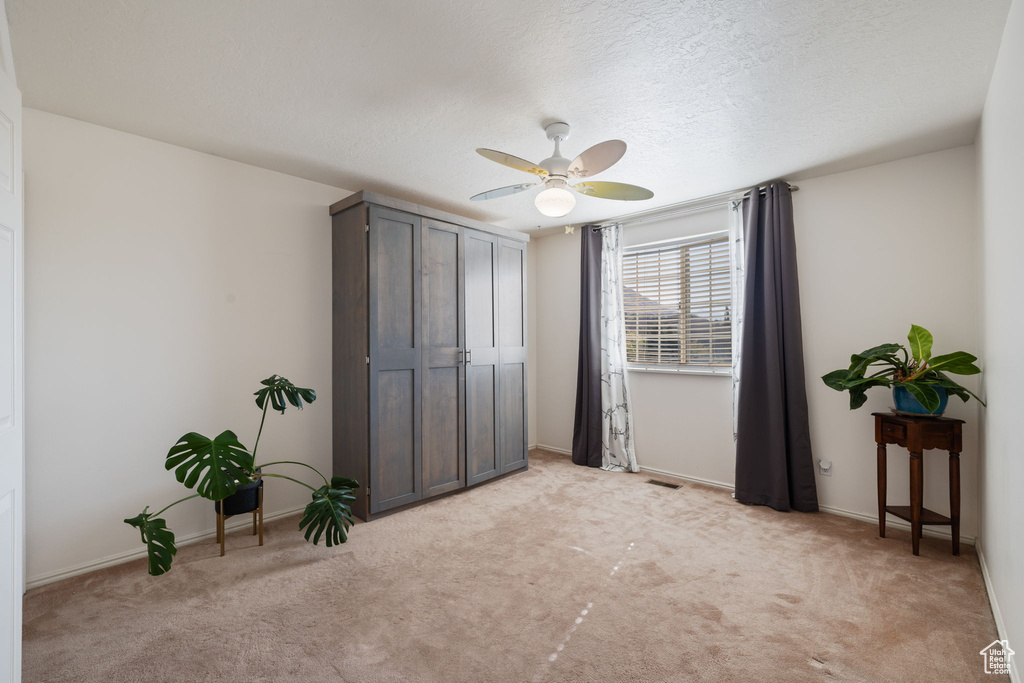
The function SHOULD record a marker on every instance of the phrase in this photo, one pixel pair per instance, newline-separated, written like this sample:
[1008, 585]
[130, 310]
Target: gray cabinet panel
[481, 289]
[513, 416]
[441, 286]
[512, 294]
[350, 385]
[395, 359]
[483, 454]
[444, 452]
[512, 352]
[396, 269]
[395, 481]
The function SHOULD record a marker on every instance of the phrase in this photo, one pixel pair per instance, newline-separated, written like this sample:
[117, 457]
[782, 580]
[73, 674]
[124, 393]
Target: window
[678, 299]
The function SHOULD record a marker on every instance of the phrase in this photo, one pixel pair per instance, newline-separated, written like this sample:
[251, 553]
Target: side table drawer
[896, 432]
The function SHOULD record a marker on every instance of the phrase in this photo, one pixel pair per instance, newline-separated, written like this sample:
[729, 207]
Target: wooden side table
[918, 434]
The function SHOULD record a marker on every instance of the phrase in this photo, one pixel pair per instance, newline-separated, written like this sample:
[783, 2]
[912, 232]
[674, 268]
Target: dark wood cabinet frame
[429, 347]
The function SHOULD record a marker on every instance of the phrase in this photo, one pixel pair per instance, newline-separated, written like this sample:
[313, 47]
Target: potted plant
[224, 471]
[918, 380]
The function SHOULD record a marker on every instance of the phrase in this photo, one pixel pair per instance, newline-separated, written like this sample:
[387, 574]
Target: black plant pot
[244, 499]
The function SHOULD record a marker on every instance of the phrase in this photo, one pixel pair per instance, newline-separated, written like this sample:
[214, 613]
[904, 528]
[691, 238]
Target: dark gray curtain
[586, 431]
[774, 465]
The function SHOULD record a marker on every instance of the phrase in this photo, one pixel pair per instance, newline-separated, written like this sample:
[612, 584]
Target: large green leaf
[343, 483]
[858, 396]
[925, 395]
[279, 390]
[836, 379]
[217, 465]
[330, 514]
[956, 389]
[920, 343]
[841, 380]
[958, 362]
[859, 364]
[881, 351]
[866, 382]
[159, 541]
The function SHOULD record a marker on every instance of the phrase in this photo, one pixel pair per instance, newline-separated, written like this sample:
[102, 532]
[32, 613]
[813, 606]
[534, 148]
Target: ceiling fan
[555, 172]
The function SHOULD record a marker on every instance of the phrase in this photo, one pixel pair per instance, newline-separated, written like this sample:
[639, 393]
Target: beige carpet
[561, 573]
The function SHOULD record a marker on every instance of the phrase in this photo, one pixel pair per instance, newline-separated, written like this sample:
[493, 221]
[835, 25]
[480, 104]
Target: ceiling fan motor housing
[556, 164]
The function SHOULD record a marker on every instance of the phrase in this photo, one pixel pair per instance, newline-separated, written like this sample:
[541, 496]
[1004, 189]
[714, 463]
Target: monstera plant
[216, 468]
[916, 373]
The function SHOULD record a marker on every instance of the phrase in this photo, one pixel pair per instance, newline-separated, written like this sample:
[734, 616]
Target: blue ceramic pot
[906, 403]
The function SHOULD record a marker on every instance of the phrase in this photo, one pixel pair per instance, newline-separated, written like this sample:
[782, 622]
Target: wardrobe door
[395, 358]
[482, 378]
[444, 453]
[512, 353]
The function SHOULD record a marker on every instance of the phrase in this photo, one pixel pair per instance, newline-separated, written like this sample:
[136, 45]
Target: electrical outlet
[825, 468]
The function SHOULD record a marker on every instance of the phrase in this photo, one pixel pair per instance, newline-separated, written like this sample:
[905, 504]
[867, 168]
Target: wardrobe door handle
[469, 356]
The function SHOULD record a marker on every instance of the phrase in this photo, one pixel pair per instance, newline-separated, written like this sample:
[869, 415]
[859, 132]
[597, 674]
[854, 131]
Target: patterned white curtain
[616, 419]
[736, 253]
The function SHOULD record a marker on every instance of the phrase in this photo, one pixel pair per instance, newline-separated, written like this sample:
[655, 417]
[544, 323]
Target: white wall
[880, 248]
[162, 284]
[859, 235]
[557, 311]
[531, 344]
[1001, 176]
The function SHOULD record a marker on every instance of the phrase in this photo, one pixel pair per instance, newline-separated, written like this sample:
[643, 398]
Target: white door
[12, 420]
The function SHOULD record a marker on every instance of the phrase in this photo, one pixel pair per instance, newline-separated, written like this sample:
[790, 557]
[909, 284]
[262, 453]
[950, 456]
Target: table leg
[916, 488]
[260, 494]
[882, 473]
[954, 500]
[920, 531]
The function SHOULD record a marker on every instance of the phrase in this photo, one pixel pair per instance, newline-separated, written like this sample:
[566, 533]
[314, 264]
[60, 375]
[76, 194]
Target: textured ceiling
[394, 95]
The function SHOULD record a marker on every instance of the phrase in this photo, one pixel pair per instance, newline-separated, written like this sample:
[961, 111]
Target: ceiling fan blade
[598, 158]
[620, 191]
[502, 191]
[512, 161]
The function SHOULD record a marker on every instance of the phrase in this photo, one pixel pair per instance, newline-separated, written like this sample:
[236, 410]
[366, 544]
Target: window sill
[682, 370]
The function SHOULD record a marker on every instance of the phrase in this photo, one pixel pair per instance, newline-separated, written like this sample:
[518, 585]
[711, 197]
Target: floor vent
[664, 483]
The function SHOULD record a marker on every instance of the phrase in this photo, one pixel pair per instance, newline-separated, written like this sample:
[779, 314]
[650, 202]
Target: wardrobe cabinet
[429, 346]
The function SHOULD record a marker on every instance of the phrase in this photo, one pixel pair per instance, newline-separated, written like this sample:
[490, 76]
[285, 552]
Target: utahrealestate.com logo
[997, 657]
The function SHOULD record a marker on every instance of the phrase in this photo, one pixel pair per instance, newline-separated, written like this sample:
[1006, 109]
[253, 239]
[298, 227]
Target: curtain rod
[689, 206]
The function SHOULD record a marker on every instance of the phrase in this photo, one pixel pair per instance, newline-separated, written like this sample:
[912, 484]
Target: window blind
[677, 300]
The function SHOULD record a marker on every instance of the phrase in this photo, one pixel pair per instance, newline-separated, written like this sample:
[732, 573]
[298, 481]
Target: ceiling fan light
[555, 202]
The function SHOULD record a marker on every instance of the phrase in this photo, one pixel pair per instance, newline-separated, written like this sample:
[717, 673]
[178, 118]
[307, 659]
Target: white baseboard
[695, 480]
[895, 523]
[652, 470]
[553, 449]
[996, 614]
[942, 532]
[931, 532]
[128, 556]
